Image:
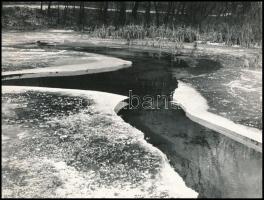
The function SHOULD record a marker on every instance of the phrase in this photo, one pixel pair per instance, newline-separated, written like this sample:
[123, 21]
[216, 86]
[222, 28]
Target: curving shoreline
[195, 107]
[98, 64]
[104, 104]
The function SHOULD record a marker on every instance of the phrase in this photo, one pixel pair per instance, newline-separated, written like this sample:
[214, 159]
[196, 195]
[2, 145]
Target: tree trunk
[147, 13]
[166, 19]
[74, 7]
[182, 11]
[49, 5]
[156, 5]
[81, 16]
[105, 12]
[65, 12]
[58, 13]
[122, 13]
[134, 11]
[103, 6]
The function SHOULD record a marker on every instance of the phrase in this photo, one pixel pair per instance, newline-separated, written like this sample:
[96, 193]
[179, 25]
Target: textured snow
[75, 183]
[196, 108]
[92, 64]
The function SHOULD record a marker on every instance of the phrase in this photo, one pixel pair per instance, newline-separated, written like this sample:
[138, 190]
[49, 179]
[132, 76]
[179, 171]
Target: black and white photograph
[131, 99]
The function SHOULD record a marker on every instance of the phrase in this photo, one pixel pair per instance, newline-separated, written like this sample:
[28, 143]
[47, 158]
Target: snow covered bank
[196, 108]
[251, 57]
[78, 151]
[90, 64]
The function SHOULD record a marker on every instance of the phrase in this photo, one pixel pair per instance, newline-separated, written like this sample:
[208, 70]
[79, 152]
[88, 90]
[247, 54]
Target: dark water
[210, 163]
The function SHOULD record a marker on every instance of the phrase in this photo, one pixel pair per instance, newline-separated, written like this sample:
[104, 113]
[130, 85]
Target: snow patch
[60, 31]
[196, 108]
[77, 183]
[105, 102]
[96, 64]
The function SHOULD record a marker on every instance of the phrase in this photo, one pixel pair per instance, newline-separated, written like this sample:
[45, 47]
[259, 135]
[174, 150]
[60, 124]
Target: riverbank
[45, 156]
[212, 164]
[196, 109]
[247, 57]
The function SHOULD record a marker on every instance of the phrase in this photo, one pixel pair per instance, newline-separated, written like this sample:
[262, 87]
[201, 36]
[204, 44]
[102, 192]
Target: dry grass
[222, 33]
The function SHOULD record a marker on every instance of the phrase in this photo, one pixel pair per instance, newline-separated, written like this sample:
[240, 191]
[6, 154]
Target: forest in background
[232, 23]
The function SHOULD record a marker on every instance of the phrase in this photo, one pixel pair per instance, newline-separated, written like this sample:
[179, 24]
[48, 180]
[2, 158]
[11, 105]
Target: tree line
[232, 22]
[169, 13]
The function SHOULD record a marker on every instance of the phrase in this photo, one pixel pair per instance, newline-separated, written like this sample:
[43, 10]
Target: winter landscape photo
[131, 99]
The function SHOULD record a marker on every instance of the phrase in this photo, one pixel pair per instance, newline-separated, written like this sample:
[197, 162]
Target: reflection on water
[210, 163]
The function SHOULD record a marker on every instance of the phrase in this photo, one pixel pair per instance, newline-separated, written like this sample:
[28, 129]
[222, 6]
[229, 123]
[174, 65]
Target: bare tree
[49, 6]
[122, 13]
[134, 11]
[156, 6]
[73, 7]
[103, 7]
[168, 12]
[65, 12]
[105, 12]
[147, 13]
[41, 4]
[58, 12]
[81, 16]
